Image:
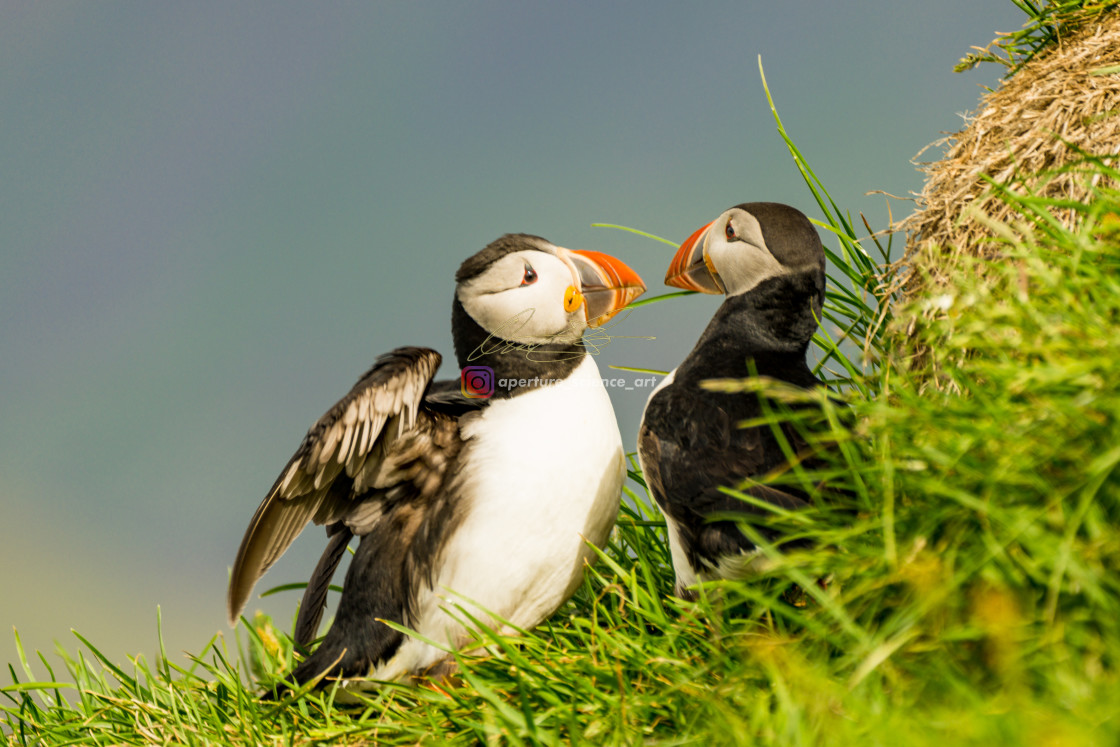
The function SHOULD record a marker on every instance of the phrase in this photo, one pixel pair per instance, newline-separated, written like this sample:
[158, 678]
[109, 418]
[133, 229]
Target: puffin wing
[315, 595]
[690, 445]
[343, 456]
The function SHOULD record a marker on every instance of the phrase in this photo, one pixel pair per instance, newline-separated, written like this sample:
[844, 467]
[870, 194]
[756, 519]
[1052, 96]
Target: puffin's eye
[729, 232]
[530, 275]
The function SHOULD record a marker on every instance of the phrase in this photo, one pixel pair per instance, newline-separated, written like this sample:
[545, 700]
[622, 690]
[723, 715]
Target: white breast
[544, 472]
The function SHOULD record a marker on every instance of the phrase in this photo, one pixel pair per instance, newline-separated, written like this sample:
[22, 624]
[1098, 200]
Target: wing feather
[352, 437]
[315, 595]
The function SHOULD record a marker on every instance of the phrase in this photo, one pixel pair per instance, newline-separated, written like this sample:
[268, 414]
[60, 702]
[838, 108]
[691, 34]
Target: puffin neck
[521, 367]
[772, 323]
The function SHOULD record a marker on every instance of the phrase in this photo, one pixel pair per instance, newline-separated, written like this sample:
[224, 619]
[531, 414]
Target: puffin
[481, 495]
[768, 260]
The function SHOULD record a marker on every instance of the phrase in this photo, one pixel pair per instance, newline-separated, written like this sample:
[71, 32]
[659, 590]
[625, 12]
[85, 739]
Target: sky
[214, 216]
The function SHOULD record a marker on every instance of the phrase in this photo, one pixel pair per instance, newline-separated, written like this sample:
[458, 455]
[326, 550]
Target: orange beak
[607, 283]
[690, 268]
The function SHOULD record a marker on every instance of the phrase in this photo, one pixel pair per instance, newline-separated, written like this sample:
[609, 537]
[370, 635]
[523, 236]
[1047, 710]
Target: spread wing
[346, 454]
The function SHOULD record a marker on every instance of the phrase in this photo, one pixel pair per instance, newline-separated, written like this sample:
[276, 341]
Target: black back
[690, 442]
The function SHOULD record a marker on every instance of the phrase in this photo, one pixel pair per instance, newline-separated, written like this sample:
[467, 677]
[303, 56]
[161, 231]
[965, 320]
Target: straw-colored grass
[1057, 108]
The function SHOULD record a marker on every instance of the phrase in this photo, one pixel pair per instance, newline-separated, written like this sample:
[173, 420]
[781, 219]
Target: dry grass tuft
[1032, 135]
[1060, 106]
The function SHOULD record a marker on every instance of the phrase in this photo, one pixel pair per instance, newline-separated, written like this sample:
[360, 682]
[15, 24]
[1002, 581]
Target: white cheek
[530, 315]
[742, 266]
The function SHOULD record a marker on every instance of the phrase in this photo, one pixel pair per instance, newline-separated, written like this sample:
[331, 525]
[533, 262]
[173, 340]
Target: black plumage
[691, 443]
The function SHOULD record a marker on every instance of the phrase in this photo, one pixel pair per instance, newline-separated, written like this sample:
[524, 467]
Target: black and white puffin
[458, 498]
[768, 260]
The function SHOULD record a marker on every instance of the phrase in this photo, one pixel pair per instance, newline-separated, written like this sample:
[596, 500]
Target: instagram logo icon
[477, 382]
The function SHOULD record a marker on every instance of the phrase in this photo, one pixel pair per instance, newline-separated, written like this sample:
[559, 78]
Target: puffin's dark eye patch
[530, 276]
[729, 232]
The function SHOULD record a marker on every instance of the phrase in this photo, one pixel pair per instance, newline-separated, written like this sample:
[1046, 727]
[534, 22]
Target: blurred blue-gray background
[213, 216]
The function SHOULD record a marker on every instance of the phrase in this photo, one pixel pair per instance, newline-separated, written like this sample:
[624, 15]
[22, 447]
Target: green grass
[1048, 22]
[965, 591]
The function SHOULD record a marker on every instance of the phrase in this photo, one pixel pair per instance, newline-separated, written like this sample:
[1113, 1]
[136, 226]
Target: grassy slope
[972, 573]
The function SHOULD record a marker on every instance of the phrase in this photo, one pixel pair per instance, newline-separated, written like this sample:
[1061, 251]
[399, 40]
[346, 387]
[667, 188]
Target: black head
[523, 295]
[746, 245]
